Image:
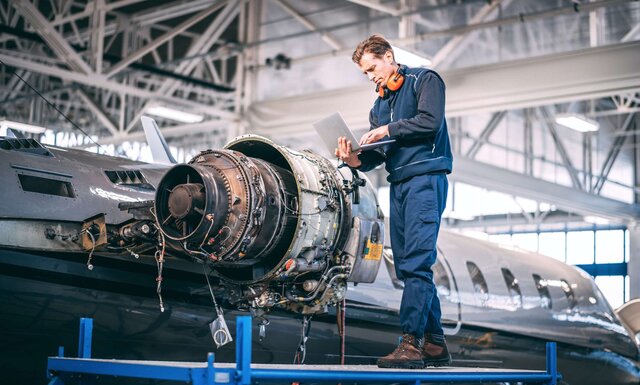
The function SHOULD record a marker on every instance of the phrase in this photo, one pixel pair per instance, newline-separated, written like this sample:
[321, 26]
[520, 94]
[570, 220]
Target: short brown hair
[375, 44]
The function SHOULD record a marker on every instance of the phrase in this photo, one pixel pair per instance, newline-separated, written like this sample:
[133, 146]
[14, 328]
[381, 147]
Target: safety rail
[62, 368]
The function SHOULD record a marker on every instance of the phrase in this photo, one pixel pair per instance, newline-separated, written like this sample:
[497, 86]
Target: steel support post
[84, 337]
[243, 350]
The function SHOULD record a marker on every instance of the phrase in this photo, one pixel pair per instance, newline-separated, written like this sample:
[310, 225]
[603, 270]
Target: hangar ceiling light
[170, 113]
[577, 122]
[410, 59]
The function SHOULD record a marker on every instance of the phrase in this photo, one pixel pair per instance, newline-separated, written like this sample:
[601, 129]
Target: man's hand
[346, 154]
[375, 135]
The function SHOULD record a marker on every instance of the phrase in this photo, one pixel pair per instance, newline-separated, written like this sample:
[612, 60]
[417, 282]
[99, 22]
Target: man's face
[378, 69]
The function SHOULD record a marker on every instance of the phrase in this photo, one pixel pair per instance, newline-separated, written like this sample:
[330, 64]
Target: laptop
[333, 126]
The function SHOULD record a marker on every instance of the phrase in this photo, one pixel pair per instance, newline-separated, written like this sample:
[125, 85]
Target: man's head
[374, 57]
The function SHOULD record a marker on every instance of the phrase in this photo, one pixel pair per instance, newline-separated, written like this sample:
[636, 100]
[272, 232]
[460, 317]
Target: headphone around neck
[393, 84]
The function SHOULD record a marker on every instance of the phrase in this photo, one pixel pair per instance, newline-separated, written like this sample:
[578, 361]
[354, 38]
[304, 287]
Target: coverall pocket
[429, 218]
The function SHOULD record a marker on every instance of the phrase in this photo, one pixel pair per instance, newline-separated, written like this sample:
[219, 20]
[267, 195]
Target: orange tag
[373, 251]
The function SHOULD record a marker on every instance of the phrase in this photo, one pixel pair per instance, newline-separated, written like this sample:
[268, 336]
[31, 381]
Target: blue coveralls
[417, 164]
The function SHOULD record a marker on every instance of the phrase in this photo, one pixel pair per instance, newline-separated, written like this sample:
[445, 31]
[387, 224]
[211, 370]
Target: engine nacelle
[277, 226]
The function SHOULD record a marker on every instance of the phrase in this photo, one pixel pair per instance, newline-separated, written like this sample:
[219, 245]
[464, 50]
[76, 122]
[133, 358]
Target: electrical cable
[343, 334]
[159, 257]
[301, 351]
[93, 247]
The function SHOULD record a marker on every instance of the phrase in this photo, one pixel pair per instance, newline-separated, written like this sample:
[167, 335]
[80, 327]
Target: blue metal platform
[243, 372]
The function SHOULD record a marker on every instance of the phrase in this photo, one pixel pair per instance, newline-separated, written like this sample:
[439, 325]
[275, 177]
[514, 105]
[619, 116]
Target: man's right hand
[346, 154]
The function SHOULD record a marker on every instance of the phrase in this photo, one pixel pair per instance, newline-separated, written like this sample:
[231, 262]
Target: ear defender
[393, 84]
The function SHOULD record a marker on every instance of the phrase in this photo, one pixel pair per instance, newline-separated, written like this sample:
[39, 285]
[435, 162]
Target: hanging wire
[93, 247]
[341, 310]
[51, 105]
[159, 257]
[301, 351]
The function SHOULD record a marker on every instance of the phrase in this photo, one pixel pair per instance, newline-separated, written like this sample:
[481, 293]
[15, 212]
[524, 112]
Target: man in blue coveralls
[409, 109]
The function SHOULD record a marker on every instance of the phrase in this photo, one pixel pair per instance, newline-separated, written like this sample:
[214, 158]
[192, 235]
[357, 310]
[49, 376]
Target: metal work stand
[243, 372]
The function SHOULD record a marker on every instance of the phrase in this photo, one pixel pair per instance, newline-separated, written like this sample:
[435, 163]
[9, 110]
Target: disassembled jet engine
[278, 227]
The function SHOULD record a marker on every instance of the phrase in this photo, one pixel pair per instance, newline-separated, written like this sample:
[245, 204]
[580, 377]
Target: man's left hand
[374, 135]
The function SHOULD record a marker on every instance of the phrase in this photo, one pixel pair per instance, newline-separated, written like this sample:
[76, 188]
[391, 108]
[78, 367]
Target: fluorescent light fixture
[170, 113]
[4, 124]
[577, 122]
[409, 58]
[596, 220]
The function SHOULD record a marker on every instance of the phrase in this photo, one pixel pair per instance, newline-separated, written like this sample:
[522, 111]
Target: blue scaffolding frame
[62, 368]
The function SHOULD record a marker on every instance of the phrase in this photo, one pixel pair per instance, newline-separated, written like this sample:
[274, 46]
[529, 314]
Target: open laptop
[333, 126]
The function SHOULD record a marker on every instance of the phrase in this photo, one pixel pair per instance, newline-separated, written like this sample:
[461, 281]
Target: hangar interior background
[211, 70]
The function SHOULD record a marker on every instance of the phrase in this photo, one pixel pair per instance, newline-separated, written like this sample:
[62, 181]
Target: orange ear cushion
[380, 91]
[395, 82]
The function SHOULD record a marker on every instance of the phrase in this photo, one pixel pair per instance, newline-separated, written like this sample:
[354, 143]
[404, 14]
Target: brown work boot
[435, 353]
[406, 356]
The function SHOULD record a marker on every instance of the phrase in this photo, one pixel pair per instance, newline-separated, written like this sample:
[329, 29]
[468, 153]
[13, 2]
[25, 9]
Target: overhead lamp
[410, 59]
[577, 122]
[5, 124]
[177, 115]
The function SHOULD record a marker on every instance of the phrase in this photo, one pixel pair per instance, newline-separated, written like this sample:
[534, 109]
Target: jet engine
[278, 227]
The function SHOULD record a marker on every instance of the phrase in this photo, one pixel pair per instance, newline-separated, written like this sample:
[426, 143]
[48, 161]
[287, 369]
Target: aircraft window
[441, 279]
[543, 290]
[479, 283]
[513, 286]
[46, 186]
[568, 292]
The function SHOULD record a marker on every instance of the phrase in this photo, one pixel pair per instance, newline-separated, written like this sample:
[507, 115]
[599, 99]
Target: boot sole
[403, 365]
[437, 363]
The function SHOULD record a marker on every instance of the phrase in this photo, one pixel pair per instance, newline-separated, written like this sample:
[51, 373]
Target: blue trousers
[416, 208]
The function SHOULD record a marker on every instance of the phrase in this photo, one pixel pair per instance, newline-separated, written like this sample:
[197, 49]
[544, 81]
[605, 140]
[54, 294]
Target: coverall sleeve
[426, 124]
[372, 158]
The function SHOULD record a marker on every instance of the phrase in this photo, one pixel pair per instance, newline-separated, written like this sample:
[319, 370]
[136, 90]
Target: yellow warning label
[373, 251]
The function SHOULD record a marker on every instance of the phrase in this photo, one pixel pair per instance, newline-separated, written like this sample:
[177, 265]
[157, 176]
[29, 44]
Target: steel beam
[631, 34]
[203, 44]
[113, 86]
[326, 36]
[209, 37]
[612, 155]
[89, 9]
[97, 111]
[565, 198]
[517, 18]
[580, 75]
[167, 132]
[162, 39]
[566, 160]
[486, 133]
[378, 7]
[54, 39]
[491, 222]
[454, 47]
[97, 35]
[14, 85]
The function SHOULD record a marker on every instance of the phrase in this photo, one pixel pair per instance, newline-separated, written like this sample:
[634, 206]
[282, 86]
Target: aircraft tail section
[159, 148]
